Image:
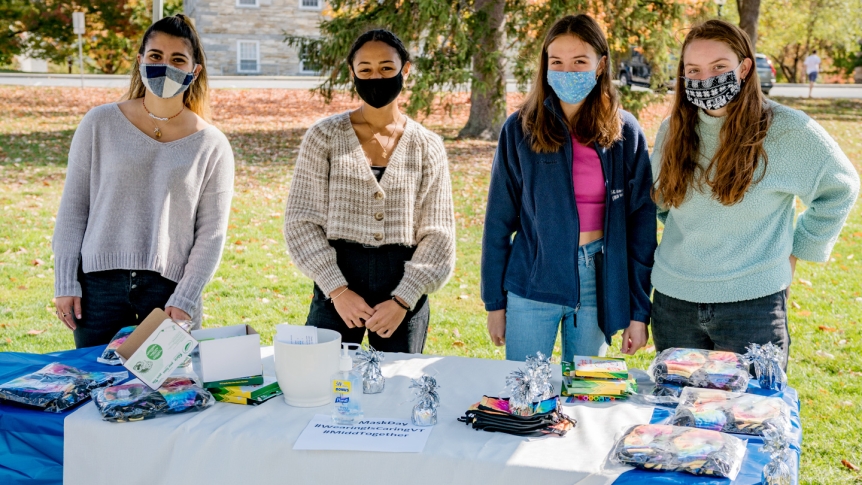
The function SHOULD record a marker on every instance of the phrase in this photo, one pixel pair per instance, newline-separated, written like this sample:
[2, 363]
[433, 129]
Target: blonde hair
[197, 96]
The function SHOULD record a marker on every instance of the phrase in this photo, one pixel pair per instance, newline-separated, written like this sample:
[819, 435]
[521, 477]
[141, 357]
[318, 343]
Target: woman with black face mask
[369, 215]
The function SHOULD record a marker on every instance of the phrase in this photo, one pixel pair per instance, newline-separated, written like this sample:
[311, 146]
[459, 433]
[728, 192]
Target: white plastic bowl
[304, 372]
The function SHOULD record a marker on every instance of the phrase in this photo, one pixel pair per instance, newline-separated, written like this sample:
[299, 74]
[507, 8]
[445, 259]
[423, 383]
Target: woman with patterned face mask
[369, 214]
[571, 180]
[144, 211]
[728, 166]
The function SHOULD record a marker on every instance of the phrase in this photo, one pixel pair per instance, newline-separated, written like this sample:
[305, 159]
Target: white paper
[370, 434]
[296, 334]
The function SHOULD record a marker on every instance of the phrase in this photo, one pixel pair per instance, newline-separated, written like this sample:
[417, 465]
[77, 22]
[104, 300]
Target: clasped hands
[383, 319]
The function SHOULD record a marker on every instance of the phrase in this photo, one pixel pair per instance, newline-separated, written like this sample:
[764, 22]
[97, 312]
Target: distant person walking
[812, 68]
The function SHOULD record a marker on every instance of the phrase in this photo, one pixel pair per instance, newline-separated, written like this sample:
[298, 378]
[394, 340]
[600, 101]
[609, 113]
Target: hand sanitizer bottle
[346, 392]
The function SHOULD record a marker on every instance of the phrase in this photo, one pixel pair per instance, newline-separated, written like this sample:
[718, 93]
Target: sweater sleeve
[655, 162]
[640, 228]
[434, 259]
[829, 198]
[74, 211]
[306, 213]
[211, 222]
[502, 219]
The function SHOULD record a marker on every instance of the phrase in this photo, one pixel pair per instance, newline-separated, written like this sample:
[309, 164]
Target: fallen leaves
[824, 328]
[849, 465]
[803, 313]
[35, 332]
[37, 262]
[805, 282]
[823, 354]
[458, 343]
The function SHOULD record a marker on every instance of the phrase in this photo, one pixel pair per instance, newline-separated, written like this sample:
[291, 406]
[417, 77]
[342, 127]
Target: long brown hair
[736, 163]
[598, 119]
[197, 96]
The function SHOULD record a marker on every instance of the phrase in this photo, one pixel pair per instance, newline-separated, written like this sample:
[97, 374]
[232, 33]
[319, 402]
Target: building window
[248, 3]
[311, 4]
[248, 56]
[306, 67]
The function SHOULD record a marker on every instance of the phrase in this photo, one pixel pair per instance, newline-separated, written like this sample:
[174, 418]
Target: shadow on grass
[823, 109]
[51, 148]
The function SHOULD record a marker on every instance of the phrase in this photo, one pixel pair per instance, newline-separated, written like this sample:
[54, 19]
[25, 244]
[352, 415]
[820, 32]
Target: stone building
[246, 37]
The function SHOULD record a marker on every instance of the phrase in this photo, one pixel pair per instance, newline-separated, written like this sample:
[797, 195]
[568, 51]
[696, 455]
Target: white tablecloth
[233, 444]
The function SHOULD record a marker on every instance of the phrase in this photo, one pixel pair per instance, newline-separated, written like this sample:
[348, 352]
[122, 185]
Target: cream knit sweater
[131, 202]
[334, 195]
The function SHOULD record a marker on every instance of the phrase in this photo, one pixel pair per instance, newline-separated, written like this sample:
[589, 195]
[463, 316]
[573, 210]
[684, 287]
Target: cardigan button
[378, 216]
[378, 195]
[378, 237]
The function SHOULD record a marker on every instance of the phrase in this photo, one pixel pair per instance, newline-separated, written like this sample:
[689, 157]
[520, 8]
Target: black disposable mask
[380, 91]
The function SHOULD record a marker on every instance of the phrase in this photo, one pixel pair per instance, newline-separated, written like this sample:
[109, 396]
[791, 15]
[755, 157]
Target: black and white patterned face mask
[713, 93]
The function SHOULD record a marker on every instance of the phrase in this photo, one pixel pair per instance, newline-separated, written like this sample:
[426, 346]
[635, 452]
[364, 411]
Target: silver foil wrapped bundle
[425, 410]
[530, 385]
[767, 360]
[367, 362]
[776, 472]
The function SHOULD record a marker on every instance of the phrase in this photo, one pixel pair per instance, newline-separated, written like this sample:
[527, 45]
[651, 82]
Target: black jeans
[373, 273]
[720, 326]
[117, 298]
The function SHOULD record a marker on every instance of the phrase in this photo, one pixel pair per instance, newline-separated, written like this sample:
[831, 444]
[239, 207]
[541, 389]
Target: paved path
[308, 82]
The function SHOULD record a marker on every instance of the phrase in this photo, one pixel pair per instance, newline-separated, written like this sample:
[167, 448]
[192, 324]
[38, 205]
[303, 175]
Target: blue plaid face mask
[164, 80]
[572, 87]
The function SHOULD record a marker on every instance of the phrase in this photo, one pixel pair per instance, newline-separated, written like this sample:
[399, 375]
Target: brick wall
[223, 24]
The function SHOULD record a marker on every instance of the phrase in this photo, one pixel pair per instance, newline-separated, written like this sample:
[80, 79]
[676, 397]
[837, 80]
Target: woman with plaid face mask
[728, 167]
[144, 211]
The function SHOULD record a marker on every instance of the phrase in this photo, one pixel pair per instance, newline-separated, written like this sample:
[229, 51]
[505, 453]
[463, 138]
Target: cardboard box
[227, 354]
[157, 347]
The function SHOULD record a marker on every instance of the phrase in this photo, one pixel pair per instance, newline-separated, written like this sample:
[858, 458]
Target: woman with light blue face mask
[144, 211]
[570, 228]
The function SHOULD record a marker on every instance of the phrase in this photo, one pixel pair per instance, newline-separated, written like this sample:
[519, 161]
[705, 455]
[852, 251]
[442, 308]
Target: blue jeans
[531, 326]
[117, 298]
[720, 326]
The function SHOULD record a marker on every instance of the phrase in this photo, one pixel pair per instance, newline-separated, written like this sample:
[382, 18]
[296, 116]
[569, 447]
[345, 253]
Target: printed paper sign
[296, 334]
[371, 434]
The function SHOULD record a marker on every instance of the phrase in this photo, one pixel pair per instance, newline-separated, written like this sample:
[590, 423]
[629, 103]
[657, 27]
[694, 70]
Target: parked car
[634, 69]
[765, 71]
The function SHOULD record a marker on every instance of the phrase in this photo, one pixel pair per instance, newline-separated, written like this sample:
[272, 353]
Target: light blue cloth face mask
[572, 87]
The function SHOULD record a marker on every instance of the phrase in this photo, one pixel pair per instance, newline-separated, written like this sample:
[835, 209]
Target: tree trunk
[488, 88]
[749, 13]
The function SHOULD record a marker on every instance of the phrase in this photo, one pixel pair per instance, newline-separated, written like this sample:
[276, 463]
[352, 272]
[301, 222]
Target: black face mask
[379, 92]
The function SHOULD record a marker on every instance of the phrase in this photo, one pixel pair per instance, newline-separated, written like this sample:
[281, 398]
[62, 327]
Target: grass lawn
[258, 284]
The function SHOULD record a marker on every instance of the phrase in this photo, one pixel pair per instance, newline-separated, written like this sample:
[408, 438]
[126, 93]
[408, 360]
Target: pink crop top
[589, 182]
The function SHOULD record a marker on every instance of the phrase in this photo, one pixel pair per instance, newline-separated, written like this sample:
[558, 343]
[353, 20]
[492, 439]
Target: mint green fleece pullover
[712, 253]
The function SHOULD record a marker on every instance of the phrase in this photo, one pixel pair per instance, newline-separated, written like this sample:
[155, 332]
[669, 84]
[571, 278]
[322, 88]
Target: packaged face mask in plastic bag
[56, 387]
[110, 356]
[136, 401]
[731, 412]
[674, 448]
[711, 369]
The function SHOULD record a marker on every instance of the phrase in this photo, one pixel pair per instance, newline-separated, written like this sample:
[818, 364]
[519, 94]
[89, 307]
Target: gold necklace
[391, 137]
[157, 131]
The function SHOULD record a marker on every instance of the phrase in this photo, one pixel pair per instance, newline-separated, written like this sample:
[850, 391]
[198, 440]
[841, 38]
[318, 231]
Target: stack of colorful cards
[251, 395]
[597, 379]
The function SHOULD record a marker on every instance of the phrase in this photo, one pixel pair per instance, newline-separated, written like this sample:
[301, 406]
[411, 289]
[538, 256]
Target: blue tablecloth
[31, 441]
